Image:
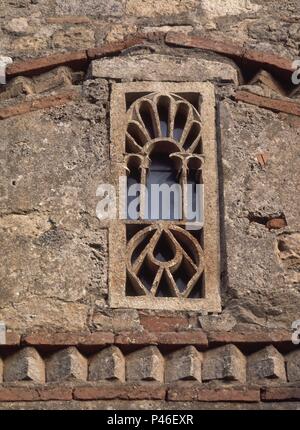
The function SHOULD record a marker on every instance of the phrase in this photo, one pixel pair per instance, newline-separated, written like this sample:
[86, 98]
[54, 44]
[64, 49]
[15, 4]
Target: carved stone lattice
[164, 261]
[165, 130]
[170, 262]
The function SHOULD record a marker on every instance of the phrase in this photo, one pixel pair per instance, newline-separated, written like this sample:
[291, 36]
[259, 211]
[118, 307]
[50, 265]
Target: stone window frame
[211, 302]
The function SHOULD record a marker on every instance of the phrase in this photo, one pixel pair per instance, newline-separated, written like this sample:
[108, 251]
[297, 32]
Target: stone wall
[54, 145]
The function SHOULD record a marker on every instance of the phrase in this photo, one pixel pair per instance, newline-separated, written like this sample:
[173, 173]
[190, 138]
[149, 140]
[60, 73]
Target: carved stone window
[165, 256]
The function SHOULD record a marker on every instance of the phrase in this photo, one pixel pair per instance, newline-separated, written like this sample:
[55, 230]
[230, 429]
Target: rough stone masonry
[65, 347]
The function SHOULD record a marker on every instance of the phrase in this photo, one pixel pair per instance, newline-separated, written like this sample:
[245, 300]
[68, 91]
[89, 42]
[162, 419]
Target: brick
[11, 339]
[248, 338]
[108, 364]
[30, 394]
[293, 366]
[193, 337]
[114, 47]
[59, 99]
[262, 159]
[135, 338]
[146, 364]
[183, 364]
[267, 363]
[69, 339]
[55, 393]
[276, 223]
[67, 364]
[163, 323]
[147, 391]
[219, 46]
[275, 105]
[250, 58]
[18, 394]
[24, 365]
[43, 64]
[192, 392]
[267, 59]
[226, 362]
[280, 393]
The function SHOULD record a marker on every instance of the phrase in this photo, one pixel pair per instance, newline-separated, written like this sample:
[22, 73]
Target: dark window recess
[194, 196]
[163, 203]
[133, 193]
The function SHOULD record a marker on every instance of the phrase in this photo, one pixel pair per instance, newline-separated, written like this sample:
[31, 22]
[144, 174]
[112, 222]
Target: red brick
[30, 394]
[136, 338]
[275, 105]
[163, 323]
[55, 393]
[219, 46]
[216, 338]
[195, 337]
[59, 99]
[18, 394]
[189, 392]
[69, 339]
[40, 65]
[262, 159]
[280, 393]
[250, 58]
[12, 339]
[266, 59]
[114, 47]
[276, 223]
[147, 391]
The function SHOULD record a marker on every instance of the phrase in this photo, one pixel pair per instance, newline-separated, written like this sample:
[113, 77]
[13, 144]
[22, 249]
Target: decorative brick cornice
[189, 366]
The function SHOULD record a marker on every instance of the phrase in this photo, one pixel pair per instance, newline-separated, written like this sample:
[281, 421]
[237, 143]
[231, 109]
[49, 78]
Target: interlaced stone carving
[166, 117]
[170, 260]
[164, 261]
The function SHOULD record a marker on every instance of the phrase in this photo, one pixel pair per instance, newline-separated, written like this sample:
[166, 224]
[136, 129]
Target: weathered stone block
[66, 364]
[226, 362]
[217, 8]
[293, 366]
[89, 7]
[18, 86]
[147, 364]
[24, 365]
[184, 364]
[163, 68]
[148, 8]
[267, 363]
[75, 37]
[108, 364]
